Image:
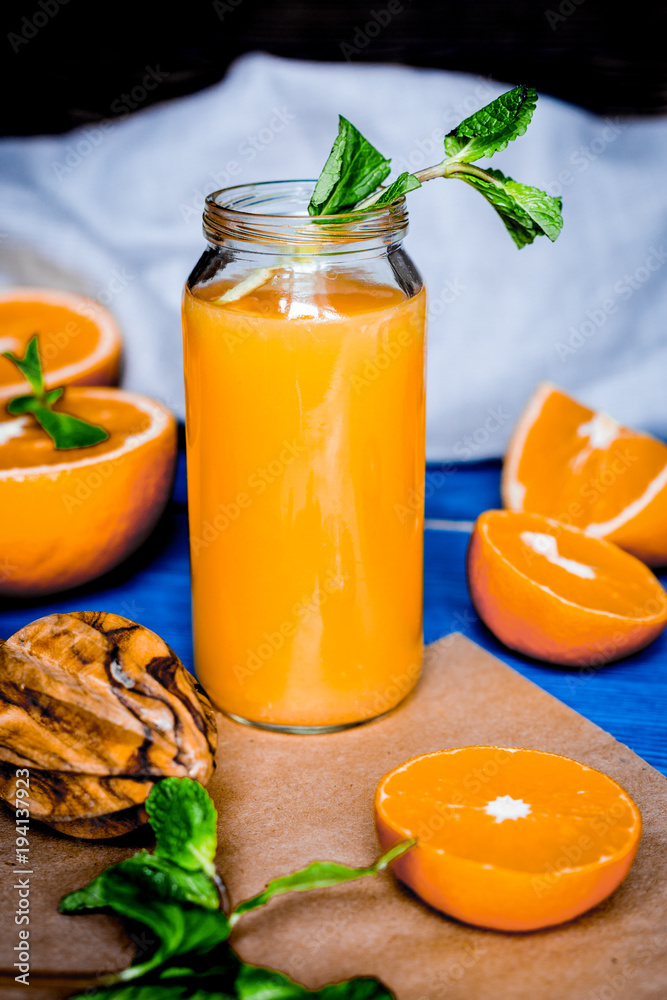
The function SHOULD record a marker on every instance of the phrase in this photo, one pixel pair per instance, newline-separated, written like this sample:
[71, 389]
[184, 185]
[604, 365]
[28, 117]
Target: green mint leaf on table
[173, 894]
[189, 990]
[490, 130]
[64, 430]
[353, 170]
[184, 820]
[317, 875]
[153, 892]
[254, 983]
[159, 876]
[247, 982]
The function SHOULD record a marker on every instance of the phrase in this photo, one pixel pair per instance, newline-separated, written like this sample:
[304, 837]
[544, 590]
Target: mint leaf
[150, 892]
[527, 212]
[242, 982]
[64, 430]
[255, 983]
[317, 875]
[352, 171]
[29, 365]
[185, 823]
[157, 991]
[404, 182]
[160, 877]
[67, 431]
[490, 130]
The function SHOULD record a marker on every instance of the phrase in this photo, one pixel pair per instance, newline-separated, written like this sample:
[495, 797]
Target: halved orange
[581, 467]
[507, 838]
[69, 516]
[79, 341]
[553, 592]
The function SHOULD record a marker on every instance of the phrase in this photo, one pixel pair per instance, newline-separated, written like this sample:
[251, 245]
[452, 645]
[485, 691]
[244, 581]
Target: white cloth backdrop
[115, 211]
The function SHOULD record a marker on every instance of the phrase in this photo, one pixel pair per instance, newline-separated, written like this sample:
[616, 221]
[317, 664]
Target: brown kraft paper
[284, 801]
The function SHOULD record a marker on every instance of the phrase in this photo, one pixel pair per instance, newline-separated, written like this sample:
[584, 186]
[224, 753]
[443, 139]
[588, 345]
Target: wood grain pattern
[97, 707]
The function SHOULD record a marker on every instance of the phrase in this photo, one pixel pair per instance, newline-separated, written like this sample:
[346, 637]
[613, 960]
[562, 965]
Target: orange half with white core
[79, 340]
[70, 515]
[553, 592]
[578, 466]
[507, 838]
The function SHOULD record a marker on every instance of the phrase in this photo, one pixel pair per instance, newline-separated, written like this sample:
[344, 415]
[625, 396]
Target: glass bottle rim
[238, 215]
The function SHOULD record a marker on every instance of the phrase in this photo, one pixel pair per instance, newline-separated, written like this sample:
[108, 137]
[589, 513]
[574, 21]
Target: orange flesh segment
[32, 446]
[477, 791]
[64, 335]
[570, 564]
[580, 466]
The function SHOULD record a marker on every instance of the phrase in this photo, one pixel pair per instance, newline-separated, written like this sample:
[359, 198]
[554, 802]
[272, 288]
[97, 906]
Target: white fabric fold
[114, 210]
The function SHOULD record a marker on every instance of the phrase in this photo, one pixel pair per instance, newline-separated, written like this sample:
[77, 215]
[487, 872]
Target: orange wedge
[582, 468]
[553, 592]
[509, 839]
[69, 516]
[80, 343]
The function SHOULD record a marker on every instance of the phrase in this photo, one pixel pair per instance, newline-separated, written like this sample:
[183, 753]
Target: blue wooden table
[628, 698]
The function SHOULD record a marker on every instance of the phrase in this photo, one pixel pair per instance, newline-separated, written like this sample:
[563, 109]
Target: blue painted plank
[628, 698]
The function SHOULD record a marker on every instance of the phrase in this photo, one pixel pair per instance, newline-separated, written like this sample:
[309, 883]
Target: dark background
[69, 63]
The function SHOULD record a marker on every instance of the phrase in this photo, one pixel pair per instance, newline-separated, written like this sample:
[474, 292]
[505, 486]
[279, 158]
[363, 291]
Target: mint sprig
[64, 430]
[527, 212]
[317, 875]
[173, 893]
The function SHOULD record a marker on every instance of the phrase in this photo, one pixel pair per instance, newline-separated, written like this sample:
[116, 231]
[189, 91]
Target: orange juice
[305, 432]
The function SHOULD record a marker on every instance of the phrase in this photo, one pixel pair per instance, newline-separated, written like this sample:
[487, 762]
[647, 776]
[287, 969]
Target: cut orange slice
[79, 341]
[553, 592]
[582, 468]
[69, 516]
[509, 839]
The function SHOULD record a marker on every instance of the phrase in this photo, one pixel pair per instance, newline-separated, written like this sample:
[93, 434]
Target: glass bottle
[304, 373]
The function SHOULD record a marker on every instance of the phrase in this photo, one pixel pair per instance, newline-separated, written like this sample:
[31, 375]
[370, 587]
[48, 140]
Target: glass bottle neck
[272, 218]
